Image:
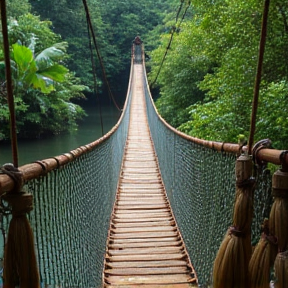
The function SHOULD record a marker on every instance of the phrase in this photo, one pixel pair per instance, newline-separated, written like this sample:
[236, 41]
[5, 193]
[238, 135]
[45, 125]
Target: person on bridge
[137, 40]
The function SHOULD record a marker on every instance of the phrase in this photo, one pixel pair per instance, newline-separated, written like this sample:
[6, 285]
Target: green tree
[229, 38]
[43, 87]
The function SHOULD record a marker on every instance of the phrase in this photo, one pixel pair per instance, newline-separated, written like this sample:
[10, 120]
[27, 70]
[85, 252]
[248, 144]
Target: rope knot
[15, 174]
[246, 183]
[262, 144]
[236, 232]
[283, 255]
[21, 203]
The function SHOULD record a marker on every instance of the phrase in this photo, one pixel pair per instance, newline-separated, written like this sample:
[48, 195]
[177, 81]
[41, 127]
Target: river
[88, 131]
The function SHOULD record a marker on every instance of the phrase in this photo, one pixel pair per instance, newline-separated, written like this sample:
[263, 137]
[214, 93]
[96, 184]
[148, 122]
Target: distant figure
[137, 40]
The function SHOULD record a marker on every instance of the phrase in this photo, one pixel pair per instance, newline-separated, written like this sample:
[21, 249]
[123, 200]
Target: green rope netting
[200, 184]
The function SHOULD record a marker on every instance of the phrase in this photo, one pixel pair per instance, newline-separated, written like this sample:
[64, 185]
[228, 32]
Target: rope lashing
[10, 170]
[20, 265]
[236, 232]
[262, 144]
[266, 234]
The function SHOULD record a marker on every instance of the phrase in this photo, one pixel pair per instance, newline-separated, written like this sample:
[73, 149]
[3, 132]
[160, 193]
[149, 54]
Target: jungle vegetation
[204, 87]
[51, 58]
[207, 80]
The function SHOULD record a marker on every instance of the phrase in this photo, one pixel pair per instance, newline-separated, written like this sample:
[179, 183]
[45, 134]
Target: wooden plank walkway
[144, 247]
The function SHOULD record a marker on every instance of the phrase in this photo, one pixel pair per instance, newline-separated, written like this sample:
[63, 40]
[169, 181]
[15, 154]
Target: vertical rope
[10, 97]
[258, 75]
[98, 54]
[94, 77]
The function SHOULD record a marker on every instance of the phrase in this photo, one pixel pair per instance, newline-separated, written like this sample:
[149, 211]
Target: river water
[88, 131]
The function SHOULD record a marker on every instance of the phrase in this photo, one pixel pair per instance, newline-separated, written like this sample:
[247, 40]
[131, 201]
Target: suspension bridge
[145, 205]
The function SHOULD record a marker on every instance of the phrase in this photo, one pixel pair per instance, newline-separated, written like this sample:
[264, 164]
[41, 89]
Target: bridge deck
[144, 246]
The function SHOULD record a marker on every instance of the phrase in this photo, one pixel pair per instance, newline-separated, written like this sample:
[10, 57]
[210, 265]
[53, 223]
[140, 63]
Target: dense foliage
[43, 86]
[60, 32]
[115, 23]
[207, 79]
[205, 83]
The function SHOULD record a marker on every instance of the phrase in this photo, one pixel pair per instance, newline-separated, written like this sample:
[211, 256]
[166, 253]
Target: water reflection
[88, 131]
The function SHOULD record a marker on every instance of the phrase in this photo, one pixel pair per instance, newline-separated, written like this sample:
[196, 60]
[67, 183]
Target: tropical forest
[201, 58]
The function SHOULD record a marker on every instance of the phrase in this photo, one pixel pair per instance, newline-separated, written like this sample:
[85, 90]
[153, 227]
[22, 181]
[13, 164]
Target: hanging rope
[94, 77]
[13, 130]
[98, 54]
[174, 29]
[179, 10]
[258, 75]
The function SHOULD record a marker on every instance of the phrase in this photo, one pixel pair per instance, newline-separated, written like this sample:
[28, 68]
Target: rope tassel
[263, 258]
[279, 225]
[231, 263]
[20, 265]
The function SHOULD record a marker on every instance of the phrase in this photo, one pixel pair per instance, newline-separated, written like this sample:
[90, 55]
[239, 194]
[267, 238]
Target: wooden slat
[145, 244]
[139, 264]
[152, 279]
[146, 250]
[144, 247]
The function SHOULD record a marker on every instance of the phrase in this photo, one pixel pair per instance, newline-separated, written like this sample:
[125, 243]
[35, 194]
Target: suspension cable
[258, 75]
[10, 98]
[94, 77]
[174, 29]
[98, 54]
[179, 10]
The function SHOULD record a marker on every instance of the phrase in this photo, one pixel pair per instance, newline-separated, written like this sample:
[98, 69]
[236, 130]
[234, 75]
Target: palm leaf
[56, 72]
[50, 54]
[23, 57]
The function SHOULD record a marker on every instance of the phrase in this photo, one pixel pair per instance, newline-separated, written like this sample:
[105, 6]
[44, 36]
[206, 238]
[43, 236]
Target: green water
[88, 131]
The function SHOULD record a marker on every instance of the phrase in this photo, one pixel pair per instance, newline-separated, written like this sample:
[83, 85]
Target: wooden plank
[147, 271]
[144, 240]
[167, 263]
[174, 285]
[142, 197]
[153, 279]
[134, 221]
[145, 257]
[143, 214]
[142, 201]
[142, 244]
[146, 250]
[144, 235]
[121, 230]
[143, 224]
[140, 207]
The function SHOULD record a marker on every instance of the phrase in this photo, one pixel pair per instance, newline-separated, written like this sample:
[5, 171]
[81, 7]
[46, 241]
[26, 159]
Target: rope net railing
[199, 177]
[73, 198]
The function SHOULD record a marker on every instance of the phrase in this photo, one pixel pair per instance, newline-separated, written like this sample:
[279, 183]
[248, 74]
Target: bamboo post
[279, 224]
